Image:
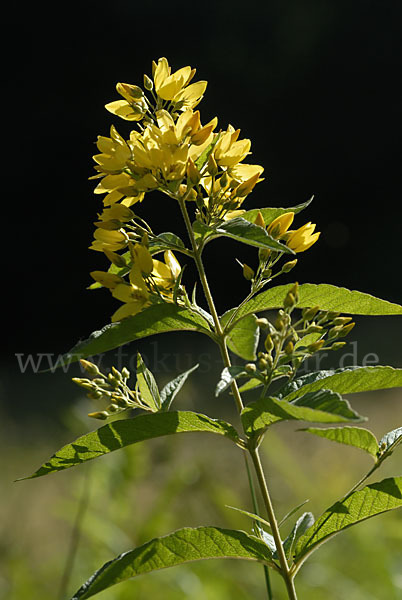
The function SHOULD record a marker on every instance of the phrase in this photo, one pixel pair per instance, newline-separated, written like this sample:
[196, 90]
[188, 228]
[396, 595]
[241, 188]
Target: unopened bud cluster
[111, 387]
[288, 343]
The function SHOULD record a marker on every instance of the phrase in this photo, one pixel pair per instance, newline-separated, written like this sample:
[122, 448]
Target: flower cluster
[172, 152]
[150, 281]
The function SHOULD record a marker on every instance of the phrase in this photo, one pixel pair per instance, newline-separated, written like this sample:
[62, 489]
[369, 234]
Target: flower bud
[212, 167]
[125, 372]
[266, 273]
[115, 259]
[337, 345]
[341, 320]
[309, 313]
[148, 83]
[269, 344]
[289, 301]
[289, 348]
[289, 266]
[102, 415]
[248, 273]
[262, 364]
[89, 367]
[260, 220]
[250, 368]
[347, 329]
[193, 173]
[316, 346]
[264, 254]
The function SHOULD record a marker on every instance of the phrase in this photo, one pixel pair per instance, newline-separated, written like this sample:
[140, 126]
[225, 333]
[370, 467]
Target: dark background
[314, 84]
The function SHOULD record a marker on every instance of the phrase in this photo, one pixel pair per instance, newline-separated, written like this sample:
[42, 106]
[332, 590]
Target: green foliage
[243, 338]
[182, 546]
[160, 318]
[118, 434]
[243, 231]
[372, 500]
[351, 436]
[327, 297]
[323, 406]
[147, 386]
[269, 214]
[171, 389]
[344, 381]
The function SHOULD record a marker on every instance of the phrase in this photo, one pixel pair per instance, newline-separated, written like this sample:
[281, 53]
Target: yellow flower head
[303, 238]
[175, 86]
[281, 224]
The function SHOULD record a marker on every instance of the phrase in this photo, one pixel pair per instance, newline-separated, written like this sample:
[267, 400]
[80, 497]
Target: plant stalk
[285, 571]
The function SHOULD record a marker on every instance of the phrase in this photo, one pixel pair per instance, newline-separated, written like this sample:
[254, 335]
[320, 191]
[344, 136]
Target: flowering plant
[201, 168]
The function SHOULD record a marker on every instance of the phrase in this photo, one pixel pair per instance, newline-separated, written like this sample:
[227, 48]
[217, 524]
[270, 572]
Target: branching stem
[221, 338]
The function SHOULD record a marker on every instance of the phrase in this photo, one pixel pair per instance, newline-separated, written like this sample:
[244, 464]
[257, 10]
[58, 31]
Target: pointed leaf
[228, 375]
[352, 436]
[244, 337]
[327, 297]
[243, 231]
[372, 500]
[269, 214]
[302, 524]
[159, 318]
[323, 406]
[292, 512]
[180, 547]
[344, 381]
[251, 515]
[118, 434]
[389, 442]
[147, 385]
[165, 241]
[171, 389]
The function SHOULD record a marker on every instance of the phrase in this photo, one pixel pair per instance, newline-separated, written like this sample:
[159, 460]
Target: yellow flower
[303, 238]
[108, 240]
[229, 151]
[175, 86]
[281, 224]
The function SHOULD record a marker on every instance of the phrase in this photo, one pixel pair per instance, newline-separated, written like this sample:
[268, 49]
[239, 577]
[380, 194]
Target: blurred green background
[155, 487]
[315, 84]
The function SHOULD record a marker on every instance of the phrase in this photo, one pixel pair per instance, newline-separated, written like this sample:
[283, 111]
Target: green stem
[257, 512]
[221, 339]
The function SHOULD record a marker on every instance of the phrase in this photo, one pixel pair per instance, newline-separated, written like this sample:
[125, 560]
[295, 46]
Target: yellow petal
[109, 280]
[172, 263]
[128, 310]
[123, 109]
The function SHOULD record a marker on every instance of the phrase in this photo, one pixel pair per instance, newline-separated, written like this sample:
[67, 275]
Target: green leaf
[352, 436]
[302, 524]
[203, 158]
[292, 512]
[372, 500]
[244, 337]
[389, 442]
[165, 241]
[323, 406]
[250, 385]
[159, 318]
[180, 547]
[119, 434]
[171, 389]
[228, 375]
[251, 515]
[344, 381]
[243, 231]
[327, 297]
[269, 214]
[147, 385]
